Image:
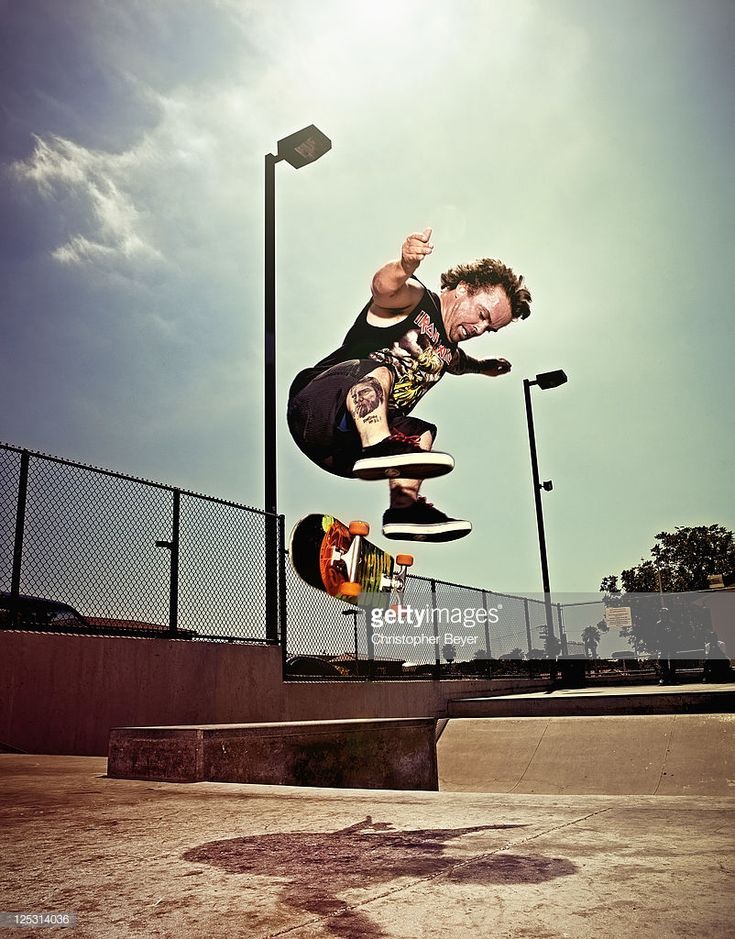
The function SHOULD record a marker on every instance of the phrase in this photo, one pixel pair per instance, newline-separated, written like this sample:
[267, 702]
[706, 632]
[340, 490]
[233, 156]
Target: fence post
[562, 631]
[20, 527]
[487, 625]
[529, 640]
[272, 576]
[173, 605]
[437, 660]
[282, 617]
[370, 649]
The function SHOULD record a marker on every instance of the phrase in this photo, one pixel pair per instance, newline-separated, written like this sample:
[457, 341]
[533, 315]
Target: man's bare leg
[410, 518]
[367, 404]
[383, 457]
[407, 518]
[404, 492]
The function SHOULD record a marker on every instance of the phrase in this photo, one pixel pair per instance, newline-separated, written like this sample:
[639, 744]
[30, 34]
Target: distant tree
[684, 558]
[481, 654]
[680, 563]
[449, 651]
[610, 584]
[515, 655]
[552, 645]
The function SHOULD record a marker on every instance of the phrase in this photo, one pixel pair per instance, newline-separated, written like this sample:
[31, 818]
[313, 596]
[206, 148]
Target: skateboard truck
[397, 581]
[358, 530]
[394, 583]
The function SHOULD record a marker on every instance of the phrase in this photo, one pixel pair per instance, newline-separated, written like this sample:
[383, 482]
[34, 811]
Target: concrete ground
[139, 858]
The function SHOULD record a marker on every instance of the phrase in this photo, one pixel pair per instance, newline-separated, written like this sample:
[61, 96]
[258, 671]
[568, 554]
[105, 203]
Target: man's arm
[390, 288]
[464, 364]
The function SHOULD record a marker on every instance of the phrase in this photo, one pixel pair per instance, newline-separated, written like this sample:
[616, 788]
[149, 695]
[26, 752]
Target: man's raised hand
[414, 249]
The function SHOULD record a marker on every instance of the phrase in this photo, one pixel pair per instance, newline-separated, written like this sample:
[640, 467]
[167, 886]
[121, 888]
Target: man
[717, 662]
[665, 640]
[350, 412]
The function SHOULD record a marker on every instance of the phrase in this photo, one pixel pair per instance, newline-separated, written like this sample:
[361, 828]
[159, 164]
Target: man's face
[470, 315]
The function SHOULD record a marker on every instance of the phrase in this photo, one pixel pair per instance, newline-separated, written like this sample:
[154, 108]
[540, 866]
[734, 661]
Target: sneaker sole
[412, 466]
[440, 531]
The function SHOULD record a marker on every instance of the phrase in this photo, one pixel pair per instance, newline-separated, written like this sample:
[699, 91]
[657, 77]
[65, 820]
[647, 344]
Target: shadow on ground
[322, 865]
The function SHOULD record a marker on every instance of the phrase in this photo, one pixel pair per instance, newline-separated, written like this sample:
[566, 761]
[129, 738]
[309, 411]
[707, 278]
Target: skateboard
[339, 560]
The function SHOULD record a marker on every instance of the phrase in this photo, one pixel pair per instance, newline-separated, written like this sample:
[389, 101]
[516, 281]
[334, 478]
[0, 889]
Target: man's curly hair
[487, 272]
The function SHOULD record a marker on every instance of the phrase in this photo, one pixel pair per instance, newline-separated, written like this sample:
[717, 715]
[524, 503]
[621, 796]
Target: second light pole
[545, 380]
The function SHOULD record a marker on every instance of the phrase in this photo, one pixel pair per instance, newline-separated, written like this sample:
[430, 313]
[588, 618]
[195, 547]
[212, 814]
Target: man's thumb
[426, 235]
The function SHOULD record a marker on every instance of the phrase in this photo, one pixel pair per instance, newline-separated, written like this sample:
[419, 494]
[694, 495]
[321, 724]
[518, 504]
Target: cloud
[62, 171]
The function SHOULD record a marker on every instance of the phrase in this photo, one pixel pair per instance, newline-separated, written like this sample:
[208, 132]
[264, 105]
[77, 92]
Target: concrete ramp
[665, 755]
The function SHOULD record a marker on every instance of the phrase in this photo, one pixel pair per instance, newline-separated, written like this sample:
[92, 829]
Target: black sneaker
[400, 456]
[422, 522]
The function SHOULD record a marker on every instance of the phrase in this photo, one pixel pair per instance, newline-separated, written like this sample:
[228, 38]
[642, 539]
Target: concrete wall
[63, 694]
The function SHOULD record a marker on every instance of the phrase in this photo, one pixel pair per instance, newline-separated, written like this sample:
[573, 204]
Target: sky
[589, 146]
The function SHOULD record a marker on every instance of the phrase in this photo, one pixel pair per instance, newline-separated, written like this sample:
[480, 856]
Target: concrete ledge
[363, 754]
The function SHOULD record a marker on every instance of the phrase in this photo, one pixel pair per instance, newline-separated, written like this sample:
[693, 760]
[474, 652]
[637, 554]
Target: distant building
[387, 667]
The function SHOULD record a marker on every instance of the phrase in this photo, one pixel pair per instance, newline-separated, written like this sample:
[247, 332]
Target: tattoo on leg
[367, 396]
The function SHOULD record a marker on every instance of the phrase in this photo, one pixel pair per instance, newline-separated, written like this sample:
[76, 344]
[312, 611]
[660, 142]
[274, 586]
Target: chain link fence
[130, 556]
[441, 629]
[84, 549]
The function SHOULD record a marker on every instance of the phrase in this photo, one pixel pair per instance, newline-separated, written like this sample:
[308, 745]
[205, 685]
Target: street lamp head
[551, 379]
[304, 146]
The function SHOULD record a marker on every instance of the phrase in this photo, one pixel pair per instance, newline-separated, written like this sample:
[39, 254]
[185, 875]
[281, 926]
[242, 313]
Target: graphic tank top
[417, 350]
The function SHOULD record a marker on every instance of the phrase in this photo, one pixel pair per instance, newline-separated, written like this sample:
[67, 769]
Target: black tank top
[416, 349]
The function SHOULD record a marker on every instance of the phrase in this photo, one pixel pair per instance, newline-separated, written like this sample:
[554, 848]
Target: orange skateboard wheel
[350, 589]
[404, 560]
[359, 528]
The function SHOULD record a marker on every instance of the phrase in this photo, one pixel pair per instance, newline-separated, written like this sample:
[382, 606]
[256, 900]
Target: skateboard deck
[331, 557]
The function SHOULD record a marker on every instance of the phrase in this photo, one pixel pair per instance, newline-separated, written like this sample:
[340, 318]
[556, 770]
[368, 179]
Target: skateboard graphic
[339, 560]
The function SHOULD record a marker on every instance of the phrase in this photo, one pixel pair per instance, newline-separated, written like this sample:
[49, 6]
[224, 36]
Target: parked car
[311, 665]
[39, 613]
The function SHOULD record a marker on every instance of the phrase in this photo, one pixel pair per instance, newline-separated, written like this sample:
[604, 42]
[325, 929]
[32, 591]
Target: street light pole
[269, 412]
[299, 149]
[270, 333]
[544, 381]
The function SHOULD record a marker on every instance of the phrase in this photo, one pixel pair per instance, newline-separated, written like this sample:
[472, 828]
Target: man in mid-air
[350, 412]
